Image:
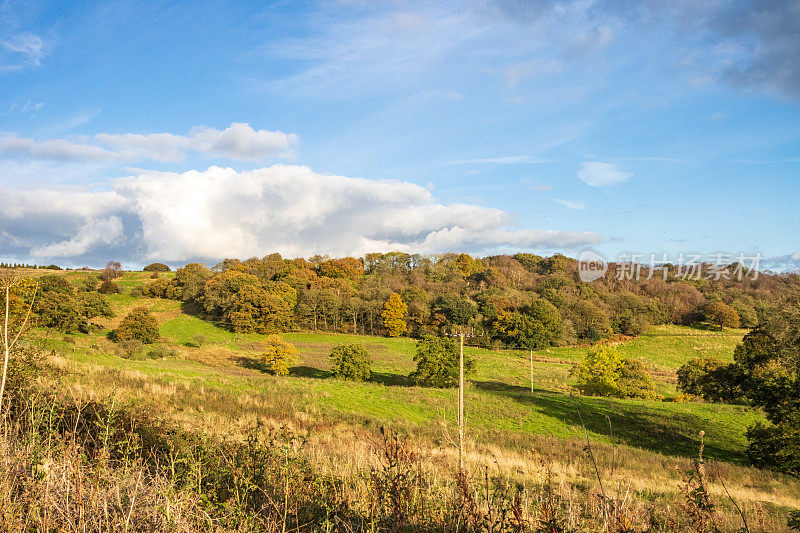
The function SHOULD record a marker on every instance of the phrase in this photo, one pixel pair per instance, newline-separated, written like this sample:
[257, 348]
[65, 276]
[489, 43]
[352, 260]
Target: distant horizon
[774, 265]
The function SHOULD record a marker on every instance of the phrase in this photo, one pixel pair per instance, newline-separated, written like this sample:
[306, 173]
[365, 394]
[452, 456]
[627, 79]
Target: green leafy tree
[437, 362]
[767, 367]
[537, 327]
[59, 306]
[456, 310]
[605, 373]
[351, 362]
[393, 315]
[156, 267]
[139, 325]
[590, 320]
[278, 355]
[710, 378]
[190, 280]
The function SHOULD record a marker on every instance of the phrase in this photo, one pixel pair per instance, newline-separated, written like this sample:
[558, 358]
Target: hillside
[213, 383]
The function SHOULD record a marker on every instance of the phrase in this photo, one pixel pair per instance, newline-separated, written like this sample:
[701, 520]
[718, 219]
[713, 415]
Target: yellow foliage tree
[278, 355]
[394, 312]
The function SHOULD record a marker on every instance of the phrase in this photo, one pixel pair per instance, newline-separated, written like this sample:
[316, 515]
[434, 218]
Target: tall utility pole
[531, 371]
[461, 405]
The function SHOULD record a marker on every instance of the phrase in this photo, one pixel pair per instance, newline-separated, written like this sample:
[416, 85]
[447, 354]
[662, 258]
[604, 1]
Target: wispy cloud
[599, 174]
[22, 50]
[570, 204]
[504, 160]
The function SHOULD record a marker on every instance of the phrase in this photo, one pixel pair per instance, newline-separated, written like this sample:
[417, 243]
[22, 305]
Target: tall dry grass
[78, 461]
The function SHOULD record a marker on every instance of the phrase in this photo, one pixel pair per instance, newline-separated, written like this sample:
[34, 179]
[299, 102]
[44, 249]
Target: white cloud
[239, 141]
[97, 232]
[58, 150]
[570, 204]
[220, 213]
[599, 174]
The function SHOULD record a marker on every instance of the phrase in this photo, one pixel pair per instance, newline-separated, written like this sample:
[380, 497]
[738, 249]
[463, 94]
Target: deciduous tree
[394, 312]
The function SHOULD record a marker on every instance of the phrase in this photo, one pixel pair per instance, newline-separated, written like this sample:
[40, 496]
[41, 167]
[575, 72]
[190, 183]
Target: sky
[177, 131]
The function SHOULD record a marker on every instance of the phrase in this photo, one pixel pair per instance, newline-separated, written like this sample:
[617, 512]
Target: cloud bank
[220, 212]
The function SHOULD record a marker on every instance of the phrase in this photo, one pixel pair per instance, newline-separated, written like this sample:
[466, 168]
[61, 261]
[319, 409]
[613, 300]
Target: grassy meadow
[214, 384]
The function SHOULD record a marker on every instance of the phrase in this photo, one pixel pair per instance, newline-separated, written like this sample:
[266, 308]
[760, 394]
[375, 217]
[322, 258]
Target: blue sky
[180, 131]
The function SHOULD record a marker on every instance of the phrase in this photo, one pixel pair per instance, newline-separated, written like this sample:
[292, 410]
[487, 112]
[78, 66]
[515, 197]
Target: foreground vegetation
[233, 444]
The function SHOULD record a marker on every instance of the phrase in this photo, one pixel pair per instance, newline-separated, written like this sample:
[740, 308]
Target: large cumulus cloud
[221, 212]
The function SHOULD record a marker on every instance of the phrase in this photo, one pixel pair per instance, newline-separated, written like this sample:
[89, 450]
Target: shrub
[109, 287]
[437, 362]
[605, 373]
[161, 351]
[278, 355]
[156, 267]
[139, 325]
[597, 375]
[155, 289]
[128, 348]
[198, 340]
[634, 381]
[351, 361]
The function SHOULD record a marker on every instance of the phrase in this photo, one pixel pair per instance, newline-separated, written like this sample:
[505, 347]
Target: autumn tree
[394, 312]
[721, 314]
[346, 267]
[278, 355]
[15, 316]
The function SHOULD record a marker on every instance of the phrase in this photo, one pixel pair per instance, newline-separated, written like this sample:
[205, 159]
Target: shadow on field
[384, 378]
[633, 424]
[310, 372]
[392, 380]
[250, 363]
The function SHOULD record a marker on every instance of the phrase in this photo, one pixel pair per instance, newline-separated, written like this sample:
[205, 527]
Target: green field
[498, 396]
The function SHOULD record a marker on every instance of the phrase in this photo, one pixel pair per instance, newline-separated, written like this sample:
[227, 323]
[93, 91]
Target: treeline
[523, 300]
[25, 265]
